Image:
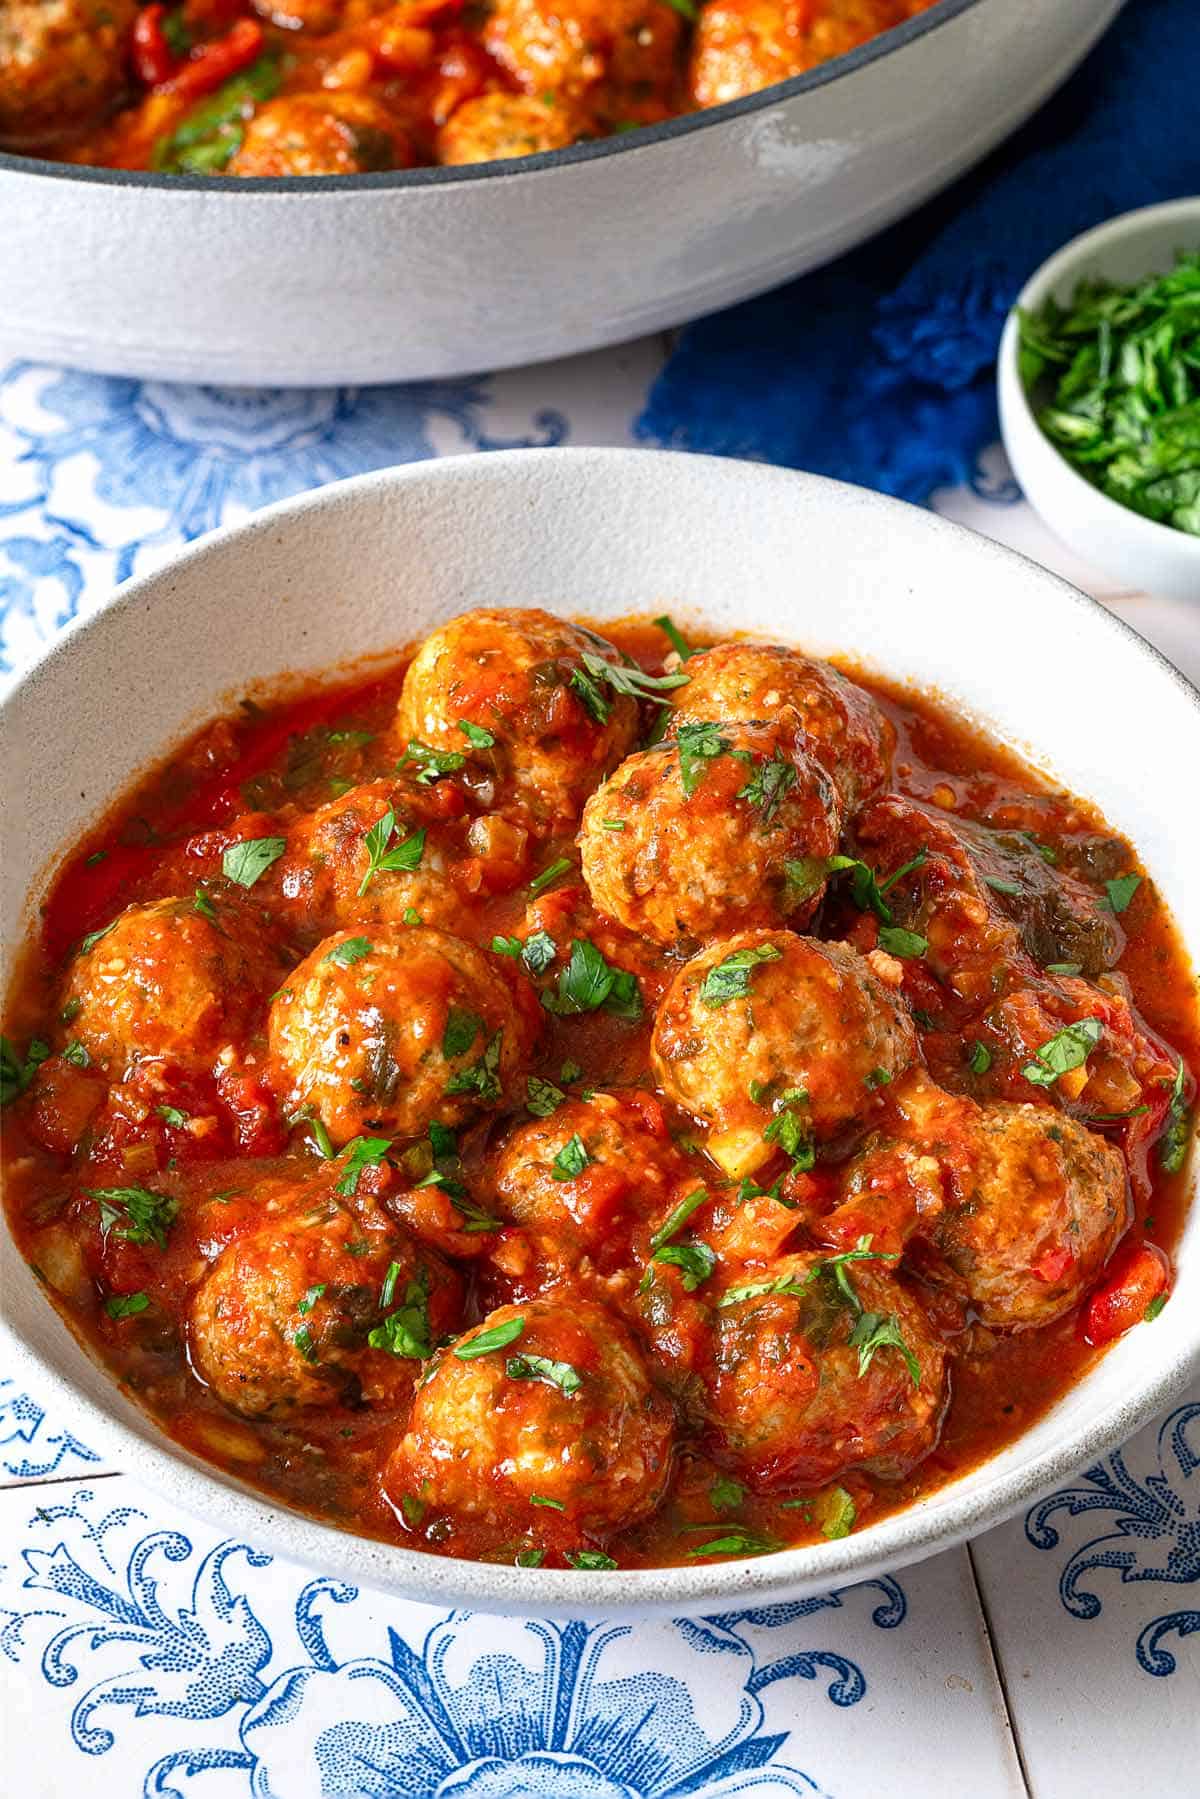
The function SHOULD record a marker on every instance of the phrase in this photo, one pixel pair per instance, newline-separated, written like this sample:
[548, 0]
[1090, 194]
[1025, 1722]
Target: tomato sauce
[212, 1140]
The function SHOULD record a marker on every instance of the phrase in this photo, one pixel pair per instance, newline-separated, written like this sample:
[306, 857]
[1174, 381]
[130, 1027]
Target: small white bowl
[1152, 558]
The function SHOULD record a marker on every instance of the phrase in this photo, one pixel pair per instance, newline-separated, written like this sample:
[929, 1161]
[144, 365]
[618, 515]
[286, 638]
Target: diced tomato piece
[1138, 1275]
[211, 65]
[1053, 1263]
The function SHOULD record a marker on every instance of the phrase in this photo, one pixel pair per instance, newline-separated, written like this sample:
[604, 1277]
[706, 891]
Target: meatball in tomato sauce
[321, 134]
[392, 1031]
[525, 697]
[173, 980]
[849, 734]
[718, 829]
[767, 1036]
[62, 66]
[818, 1367]
[542, 1418]
[319, 1306]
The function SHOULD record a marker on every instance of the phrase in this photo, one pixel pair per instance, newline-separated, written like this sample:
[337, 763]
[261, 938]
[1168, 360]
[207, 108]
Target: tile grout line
[997, 1662]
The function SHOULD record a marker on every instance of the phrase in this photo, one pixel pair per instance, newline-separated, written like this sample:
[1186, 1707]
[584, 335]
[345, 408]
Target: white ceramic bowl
[366, 565]
[1150, 557]
[446, 271]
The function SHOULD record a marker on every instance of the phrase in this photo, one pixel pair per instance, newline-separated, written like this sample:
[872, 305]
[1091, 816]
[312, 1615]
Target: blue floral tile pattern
[31, 1448]
[111, 475]
[307, 1689]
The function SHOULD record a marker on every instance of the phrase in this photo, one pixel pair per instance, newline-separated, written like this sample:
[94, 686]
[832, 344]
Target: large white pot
[445, 271]
[369, 564]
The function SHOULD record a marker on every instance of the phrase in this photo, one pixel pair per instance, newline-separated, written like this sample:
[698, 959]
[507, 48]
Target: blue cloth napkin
[879, 369]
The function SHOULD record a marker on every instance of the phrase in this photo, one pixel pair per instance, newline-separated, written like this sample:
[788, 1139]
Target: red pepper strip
[153, 61]
[1139, 1275]
[211, 65]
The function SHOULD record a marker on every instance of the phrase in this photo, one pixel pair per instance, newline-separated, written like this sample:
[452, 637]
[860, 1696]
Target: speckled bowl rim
[837, 69]
[941, 1521]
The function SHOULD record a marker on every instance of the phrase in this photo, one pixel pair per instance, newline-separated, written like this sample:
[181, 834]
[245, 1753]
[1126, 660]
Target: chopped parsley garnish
[75, 1053]
[980, 1059]
[783, 1283]
[698, 746]
[388, 1290]
[303, 1340]
[461, 1030]
[1064, 968]
[866, 890]
[476, 735]
[497, 1336]
[878, 1077]
[725, 1495]
[730, 978]
[530, 1558]
[590, 1560]
[554, 1505]
[244, 862]
[126, 1305]
[93, 937]
[571, 1159]
[431, 765]
[589, 682]
[1172, 1145]
[570, 1071]
[736, 1542]
[837, 1266]
[1013, 888]
[898, 942]
[16, 1071]
[71, 1010]
[411, 916]
[540, 1367]
[695, 1260]
[790, 1131]
[404, 1332]
[548, 876]
[351, 951]
[1113, 377]
[666, 625]
[135, 1213]
[1154, 1308]
[384, 860]
[538, 951]
[838, 1514]
[204, 906]
[356, 740]
[173, 1116]
[1121, 891]
[362, 1153]
[879, 1330]
[678, 1217]
[542, 1098]
[769, 781]
[1067, 1050]
[589, 982]
[507, 946]
[612, 824]
[750, 1189]
[483, 1077]
[305, 1305]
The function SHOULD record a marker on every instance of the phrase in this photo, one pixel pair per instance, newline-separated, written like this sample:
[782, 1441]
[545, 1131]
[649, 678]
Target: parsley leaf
[589, 681]
[204, 906]
[591, 1560]
[698, 746]
[362, 1153]
[540, 1367]
[730, 979]
[93, 937]
[538, 951]
[696, 1260]
[770, 779]
[793, 1136]
[1172, 1145]
[476, 736]
[542, 1098]
[725, 1495]
[1121, 891]
[678, 1217]
[667, 626]
[589, 982]
[431, 764]
[135, 1214]
[736, 1542]
[548, 876]
[1067, 1050]
[244, 862]
[839, 1514]
[496, 1336]
[878, 1330]
[980, 1059]
[898, 942]
[126, 1305]
[16, 1071]
[405, 857]
[344, 954]
[173, 1116]
[405, 1332]
[483, 1077]
[461, 1030]
[571, 1159]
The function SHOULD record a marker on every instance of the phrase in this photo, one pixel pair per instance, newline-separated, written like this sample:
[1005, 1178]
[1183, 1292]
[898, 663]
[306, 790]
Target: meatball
[811, 1377]
[62, 66]
[619, 53]
[741, 46]
[392, 1032]
[767, 1031]
[175, 980]
[1035, 1204]
[284, 1318]
[327, 861]
[495, 126]
[335, 133]
[582, 1180]
[715, 830]
[561, 1411]
[849, 734]
[520, 677]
